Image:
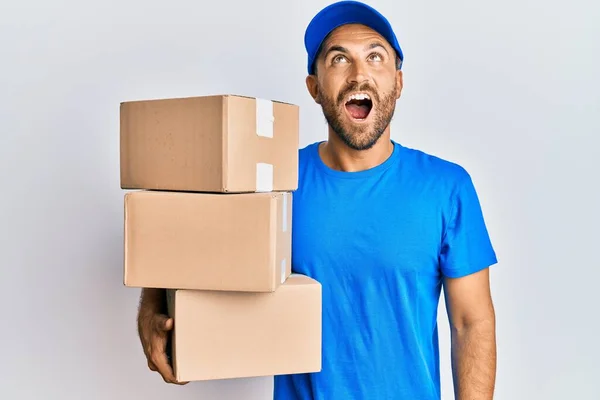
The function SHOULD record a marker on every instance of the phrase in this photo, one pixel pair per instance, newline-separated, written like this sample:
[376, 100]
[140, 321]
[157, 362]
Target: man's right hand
[154, 328]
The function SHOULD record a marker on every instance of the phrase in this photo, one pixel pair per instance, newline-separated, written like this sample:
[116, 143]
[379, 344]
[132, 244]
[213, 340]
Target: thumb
[168, 325]
[163, 323]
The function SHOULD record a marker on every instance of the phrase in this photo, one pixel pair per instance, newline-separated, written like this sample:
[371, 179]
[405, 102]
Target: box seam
[125, 239]
[224, 143]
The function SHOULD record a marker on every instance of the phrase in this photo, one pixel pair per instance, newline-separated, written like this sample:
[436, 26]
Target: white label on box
[283, 265]
[264, 177]
[284, 216]
[264, 118]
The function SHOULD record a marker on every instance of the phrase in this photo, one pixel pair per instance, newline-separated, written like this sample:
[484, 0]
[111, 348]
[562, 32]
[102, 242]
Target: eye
[375, 57]
[339, 58]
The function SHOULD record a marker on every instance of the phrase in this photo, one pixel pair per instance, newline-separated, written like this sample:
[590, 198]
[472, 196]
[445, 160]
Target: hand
[154, 330]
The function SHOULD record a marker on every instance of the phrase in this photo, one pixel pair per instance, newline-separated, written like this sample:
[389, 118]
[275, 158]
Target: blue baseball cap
[342, 13]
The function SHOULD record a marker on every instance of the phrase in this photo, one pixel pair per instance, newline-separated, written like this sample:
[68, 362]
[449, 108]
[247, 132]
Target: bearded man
[384, 228]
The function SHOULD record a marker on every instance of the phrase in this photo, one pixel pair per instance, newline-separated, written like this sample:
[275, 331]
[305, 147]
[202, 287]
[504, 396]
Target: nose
[359, 73]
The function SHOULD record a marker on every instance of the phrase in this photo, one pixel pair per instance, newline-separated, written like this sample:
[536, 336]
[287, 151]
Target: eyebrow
[373, 45]
[333, 48]
[342, 49]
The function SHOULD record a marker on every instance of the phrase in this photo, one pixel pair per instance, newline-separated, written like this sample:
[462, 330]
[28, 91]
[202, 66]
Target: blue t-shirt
[379, 242]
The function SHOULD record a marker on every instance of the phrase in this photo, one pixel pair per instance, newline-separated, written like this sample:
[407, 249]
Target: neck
[337, 155]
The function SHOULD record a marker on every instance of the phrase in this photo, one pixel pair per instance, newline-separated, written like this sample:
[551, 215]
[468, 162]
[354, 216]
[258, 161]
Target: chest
[366, 230]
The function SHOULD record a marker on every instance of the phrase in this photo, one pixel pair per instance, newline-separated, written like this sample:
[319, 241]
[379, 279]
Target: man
[383, 228]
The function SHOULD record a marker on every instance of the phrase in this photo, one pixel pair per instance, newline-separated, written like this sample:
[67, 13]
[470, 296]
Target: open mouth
[359, 106]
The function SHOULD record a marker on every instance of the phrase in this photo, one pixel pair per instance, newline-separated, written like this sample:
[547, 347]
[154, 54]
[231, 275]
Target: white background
[508, 89]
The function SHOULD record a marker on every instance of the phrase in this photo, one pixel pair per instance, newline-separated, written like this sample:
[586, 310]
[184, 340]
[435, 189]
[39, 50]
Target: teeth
[359, 96]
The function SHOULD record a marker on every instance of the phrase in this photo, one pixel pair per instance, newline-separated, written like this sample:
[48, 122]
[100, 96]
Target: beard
[359, 136]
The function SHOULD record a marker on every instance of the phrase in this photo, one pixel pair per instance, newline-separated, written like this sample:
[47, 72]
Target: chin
[360, 139]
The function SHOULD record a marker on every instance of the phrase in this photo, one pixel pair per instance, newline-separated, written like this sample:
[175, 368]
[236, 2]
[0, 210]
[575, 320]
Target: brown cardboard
[188, 240]
[223, 335]
[220, 143]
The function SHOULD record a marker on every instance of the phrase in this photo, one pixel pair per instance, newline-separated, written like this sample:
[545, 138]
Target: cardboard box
[223, 335]
[209, 241]
[220, 143]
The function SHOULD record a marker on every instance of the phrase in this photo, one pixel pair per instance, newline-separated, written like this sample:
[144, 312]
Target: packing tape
[264, 118]
[284, 216]
[264, 177]
[283, 265]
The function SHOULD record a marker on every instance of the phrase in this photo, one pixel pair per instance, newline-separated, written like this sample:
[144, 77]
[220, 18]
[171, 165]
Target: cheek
[328, 93]
[331, 86]
[388, 84]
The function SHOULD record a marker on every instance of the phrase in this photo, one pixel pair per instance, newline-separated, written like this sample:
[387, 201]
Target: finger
[163, 323]
[169, 324]
[164, 369]
[161, 362]
[167, 373]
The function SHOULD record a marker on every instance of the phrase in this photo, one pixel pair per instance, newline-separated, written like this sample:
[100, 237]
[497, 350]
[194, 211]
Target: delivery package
[225, 335]
[207, 241]
[217, 143]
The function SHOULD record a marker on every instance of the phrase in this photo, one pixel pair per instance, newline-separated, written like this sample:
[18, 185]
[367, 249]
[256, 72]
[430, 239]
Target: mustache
[355, 87]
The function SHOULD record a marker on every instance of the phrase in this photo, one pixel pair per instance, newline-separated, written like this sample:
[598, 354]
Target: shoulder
[434, 170]
[306, 153]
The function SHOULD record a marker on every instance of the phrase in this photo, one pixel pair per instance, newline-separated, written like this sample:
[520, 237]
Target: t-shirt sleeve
[466, 245]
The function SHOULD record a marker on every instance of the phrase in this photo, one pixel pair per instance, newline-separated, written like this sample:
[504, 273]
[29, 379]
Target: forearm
[474, 360]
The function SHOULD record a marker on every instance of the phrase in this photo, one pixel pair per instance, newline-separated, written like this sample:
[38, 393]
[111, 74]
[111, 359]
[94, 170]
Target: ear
[399, 83]
[312, 85]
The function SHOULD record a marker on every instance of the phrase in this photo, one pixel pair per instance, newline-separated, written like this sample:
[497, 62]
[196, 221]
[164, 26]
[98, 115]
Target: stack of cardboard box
[209, 218]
